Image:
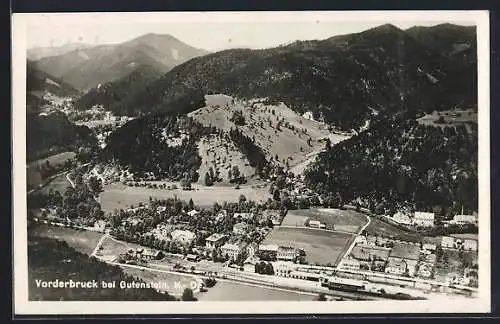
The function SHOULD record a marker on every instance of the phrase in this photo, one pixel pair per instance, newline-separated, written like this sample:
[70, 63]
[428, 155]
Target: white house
[424, 219]
[193, 212]
[402, 217]
[465, 219]
[233, 250]
[215, 240]
[287, 253]
[316, 224]
[240, 228]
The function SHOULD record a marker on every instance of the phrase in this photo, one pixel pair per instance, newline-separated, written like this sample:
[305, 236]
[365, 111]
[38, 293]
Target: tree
[191, 204]
[95, 185]
[208, 180]
[187, 295]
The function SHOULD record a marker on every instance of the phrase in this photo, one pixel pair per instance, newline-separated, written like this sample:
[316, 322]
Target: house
[401, 266]
[470, 245]
[465, 219]
[287, 253]
[233, 250]
[316, 224]
[424, 219]
[182, 236]
[425, 270]
[147, 254]
[240, 228]
[244, 216]
[215, 241]
[430, 247]
[100, 225]
[193, 212]
[458, 243]
[351, 263]
[161, 209]
[370, 257]
[192, 257]
[402, 217]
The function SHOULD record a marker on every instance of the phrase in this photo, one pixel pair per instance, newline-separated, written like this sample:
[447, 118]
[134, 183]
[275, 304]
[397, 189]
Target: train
[344, 284]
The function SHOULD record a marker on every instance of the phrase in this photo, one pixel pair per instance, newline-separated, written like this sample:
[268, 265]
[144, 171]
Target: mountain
[37, 53]
[38, 83]
[453, 41]
[114, 92]
[342, 79]
[88, 67]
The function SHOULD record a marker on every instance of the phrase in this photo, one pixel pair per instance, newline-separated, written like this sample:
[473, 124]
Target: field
[117, 196]
[261, 124]
[174, 284]
[82, 241]
[59, 183]
[321, 247]
[33, 176]
[335, 219]
[381, 228]
[453, 262]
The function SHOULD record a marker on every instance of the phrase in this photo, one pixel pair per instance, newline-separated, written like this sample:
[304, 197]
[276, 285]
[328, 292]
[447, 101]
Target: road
[317, 229]
[348, 251]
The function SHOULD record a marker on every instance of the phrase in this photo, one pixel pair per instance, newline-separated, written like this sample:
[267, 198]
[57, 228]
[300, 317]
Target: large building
[215, 241]
[467, 244]
[464, 219]
[424, 219]
[183, 237]
[402, 217]
[287, 253]
[233, 250]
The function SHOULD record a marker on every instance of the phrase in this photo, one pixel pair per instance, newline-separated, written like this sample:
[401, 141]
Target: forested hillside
[340, 79]
[50, 260]
[158, 144]
[54, 133]
[399, 160]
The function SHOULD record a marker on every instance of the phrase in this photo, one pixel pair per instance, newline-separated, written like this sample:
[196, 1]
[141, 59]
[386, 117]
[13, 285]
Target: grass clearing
[34, 177]
[385, 229]
[117, 196]
[80, 240]
[334, 219]
[321, 247]
[450, 118]
[59, 183]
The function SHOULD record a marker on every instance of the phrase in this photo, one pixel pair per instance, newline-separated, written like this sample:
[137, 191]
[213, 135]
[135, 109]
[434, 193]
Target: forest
[143, 146]
[398, 161]
[50, 260]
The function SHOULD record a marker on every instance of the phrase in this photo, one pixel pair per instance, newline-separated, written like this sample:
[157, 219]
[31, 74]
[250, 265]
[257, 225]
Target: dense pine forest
[398, 160]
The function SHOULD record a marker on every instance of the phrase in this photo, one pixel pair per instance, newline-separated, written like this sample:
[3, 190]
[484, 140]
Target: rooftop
[215, 237]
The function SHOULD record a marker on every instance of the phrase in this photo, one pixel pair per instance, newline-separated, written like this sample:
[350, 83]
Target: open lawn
[80, 240]
[33, 175]
[450, 118]
[117, 196]
[335, 219]
[59, 183]
[321, 247]
[172, 283]
[385, 229]
[453, 262]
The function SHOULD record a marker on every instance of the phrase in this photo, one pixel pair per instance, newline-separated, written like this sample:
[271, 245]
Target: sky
[216, 31]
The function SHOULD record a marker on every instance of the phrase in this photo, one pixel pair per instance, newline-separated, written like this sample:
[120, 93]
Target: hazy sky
[215, 31]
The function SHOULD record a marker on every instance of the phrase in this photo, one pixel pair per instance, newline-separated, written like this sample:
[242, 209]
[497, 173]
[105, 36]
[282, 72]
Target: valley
[286, 169]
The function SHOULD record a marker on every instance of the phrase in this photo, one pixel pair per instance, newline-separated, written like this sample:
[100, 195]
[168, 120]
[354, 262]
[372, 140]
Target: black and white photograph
[251, 162]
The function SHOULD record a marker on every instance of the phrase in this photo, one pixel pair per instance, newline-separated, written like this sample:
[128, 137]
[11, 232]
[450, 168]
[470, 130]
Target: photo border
[394, 307]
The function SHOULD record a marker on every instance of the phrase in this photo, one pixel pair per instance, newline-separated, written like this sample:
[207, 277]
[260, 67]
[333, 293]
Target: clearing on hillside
[34, 177]
[453, 118]
[321, 247]
[81, 240]
[276, 129]
[334, 219]
[222, 156]
[385, 229]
